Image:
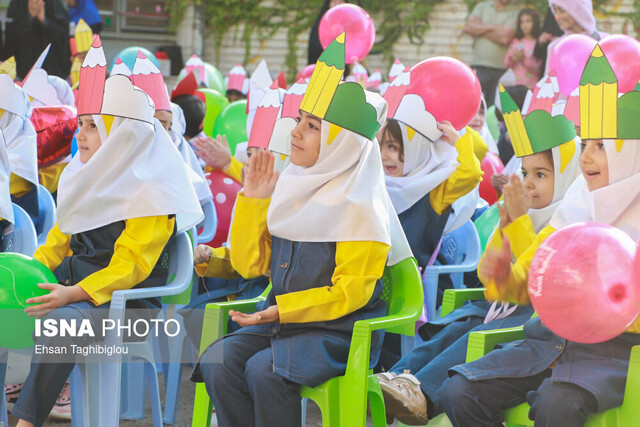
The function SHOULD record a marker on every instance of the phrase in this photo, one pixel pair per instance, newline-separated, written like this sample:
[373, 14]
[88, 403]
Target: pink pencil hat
[148, 77]
[92, 77]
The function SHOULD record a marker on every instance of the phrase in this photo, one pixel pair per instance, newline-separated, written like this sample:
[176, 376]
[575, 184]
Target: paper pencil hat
[602, 114]
[238, 79]
[123, 99]
[92, 77]
[12, 97]
[344, 105]
[82, 38]
[395, 70]
[394, 93]
[37, 85]
[38, 64]
[360, 73]
[281, 136]
[119, 67]
[374, 80]
[282, 80]
[148, 77]
[196, 65]
[258, 85]
[544, 95]
[538, 132]
[76, 65]
[8, 67]
[266, 114]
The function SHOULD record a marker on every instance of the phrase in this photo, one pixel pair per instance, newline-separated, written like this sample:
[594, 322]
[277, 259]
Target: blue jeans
[238, 374]
[479, 403]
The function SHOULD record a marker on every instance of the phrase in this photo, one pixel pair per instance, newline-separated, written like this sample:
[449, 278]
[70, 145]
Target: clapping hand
[260, 178]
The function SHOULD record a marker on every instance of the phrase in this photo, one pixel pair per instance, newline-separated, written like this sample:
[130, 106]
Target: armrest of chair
[632, 388]
[455, 298]
[482, 342]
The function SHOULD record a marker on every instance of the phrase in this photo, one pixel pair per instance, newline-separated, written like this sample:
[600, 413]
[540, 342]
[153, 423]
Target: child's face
[526, 24]
[593, 163]
[564, 19]
[164, 117]
[538, 180]
[305, 140]
[390, 151]
[88, 138]
[478, 121]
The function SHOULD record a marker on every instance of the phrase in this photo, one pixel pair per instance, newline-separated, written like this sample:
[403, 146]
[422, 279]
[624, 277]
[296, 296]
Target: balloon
[56, 127]
[486, 225]
[224, 190]
[74, 144]
[215, 79]
[128, 56]
[19, 276]
[623, 54]
[306, 72]
[567, 59]
[580, 282]
[442, 78]
[490, 165]
[361, 32]
[232, 122]
[216, 102]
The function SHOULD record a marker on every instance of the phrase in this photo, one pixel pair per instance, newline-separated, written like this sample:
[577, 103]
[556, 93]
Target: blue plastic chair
[98, 386]
[46, 214]
[209, 224]
[461, 250]
[24, 239]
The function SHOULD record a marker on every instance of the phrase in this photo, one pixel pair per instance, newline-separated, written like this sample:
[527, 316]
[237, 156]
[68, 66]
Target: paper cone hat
[76, 65]
[281, 136]
[267, 113]
[374, 80]
[123, 99]
[238, 79]
[258, 85]
[148, 77]
[196, 65]
[394, 93]
[544, 96]
[83, 37]
[36, 85]
[8, 67]
[12, 97]
[92, 78]
[395, 70]
[119, 67]
[188, 86]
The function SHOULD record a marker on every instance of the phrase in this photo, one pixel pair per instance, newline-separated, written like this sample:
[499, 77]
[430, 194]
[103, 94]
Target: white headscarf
[22, 145]
[426, 165]
[618, 203]
[6, 207]
[136, 172]
[196, 174]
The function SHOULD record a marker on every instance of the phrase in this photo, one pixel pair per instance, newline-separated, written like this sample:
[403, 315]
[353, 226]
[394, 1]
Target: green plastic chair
[628, 414]
[342, 400]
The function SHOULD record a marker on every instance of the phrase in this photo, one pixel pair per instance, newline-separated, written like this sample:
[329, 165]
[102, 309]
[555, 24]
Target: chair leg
[75, 390]
[202, 407]
[173, 379]
[376, 402]
[151, 375]
[4, 417]
[303, 404]
[133, 392]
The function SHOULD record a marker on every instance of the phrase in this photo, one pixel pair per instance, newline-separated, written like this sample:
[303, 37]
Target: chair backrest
[403, 293]
[47, 214]
[24, 238]
[461, 247]
[209, 225]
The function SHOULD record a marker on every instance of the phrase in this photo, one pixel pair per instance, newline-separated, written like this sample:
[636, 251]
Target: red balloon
[623, 53]
[356, 22]
[568, 57]
[450, 89]
[306, 72]
[490, 165]
[55, 126]
[580, 282]
[225, 190]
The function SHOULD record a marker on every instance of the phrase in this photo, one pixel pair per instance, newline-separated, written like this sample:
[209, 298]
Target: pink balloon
[361, 32]
[490, 165]
[623, 53]
[450, 89]
[568, 57]
[580, 282]
[306, 72]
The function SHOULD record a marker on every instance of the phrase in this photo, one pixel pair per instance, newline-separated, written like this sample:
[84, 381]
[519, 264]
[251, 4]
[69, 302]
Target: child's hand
[496, 264]
[515, 201]
[202, 253]
[517, 55]
[269, 315]
[498, 181]
[58, 296]
[260, 179]
[504, 216]
[215, 152]
[449, 133]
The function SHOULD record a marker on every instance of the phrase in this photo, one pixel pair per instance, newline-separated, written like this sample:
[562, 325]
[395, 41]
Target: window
[146, 16]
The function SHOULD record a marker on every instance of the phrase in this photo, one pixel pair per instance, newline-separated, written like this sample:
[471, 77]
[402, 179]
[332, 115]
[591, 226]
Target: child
[520, 56]
[411, 387]
[563, 381]
[324, 236]
[102, 241]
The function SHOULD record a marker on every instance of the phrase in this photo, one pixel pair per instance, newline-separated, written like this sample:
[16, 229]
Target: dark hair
[548, 156]
[194, 110]
[236, 93]
[536, 30]
[392, 130]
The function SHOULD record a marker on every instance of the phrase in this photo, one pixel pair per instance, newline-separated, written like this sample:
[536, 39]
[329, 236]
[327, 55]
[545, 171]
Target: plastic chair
[24, 239]
[98, 386]
[343, 399]
[47, 214]
[461, 250]
[627, 414]
[209, 224]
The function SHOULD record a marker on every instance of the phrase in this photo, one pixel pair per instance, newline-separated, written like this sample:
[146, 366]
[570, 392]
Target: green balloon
[232, 122]
[19, 278]
[492, 122]
[486, 224]
[215, 80]
[216, 102]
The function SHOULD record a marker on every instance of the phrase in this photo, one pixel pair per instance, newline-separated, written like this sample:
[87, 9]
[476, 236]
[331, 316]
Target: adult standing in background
[34, 24]
[86, 10]
[492, 24]
[315, 48]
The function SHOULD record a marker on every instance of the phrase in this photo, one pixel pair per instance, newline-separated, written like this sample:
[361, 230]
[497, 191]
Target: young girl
[563, 381]
[324, 236]
[519, 57]
[118, 210]
[411, 387]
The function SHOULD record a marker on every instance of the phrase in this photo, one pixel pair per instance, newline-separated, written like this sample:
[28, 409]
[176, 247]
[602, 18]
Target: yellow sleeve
[219, 265]
[235, 169]
[135, 254]
[480, 148]
[250, 240]
[55, 248]
[358, 266]
[515, 289]
[19, 186]
[50, 176]
[464, 179]
[521, 235]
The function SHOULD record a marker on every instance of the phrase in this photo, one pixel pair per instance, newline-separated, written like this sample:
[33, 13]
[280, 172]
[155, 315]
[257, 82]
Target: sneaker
[385, 376]
[62, 409]
[404, 400]
[11, 392]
